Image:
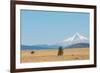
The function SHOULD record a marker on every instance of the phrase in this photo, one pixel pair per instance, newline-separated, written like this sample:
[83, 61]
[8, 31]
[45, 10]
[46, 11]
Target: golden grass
[51, 55]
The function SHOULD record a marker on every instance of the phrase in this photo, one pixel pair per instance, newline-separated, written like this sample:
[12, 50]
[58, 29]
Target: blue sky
[48, 27]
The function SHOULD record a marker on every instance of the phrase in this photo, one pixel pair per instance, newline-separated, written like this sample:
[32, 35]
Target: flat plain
[49, 55]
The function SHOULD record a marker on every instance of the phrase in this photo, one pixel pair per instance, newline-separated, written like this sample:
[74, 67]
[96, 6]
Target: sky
[48, 27]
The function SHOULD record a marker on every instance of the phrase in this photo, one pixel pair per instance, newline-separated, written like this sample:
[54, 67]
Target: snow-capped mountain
[76, 38]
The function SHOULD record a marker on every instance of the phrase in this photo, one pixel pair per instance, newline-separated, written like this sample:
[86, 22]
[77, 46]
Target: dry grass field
[51, 55]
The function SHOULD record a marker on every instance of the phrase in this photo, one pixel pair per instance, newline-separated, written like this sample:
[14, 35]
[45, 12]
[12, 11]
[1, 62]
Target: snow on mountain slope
[76, 38]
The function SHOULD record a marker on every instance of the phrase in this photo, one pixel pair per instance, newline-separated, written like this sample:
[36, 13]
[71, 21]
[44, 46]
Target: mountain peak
[76, 38]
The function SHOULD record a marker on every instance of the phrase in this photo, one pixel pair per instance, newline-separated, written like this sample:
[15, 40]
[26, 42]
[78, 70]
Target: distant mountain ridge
[79, 45]
[38, 47]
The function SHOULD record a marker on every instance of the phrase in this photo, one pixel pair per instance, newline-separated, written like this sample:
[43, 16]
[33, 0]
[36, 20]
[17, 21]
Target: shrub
[32, 52]
[60, 51]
